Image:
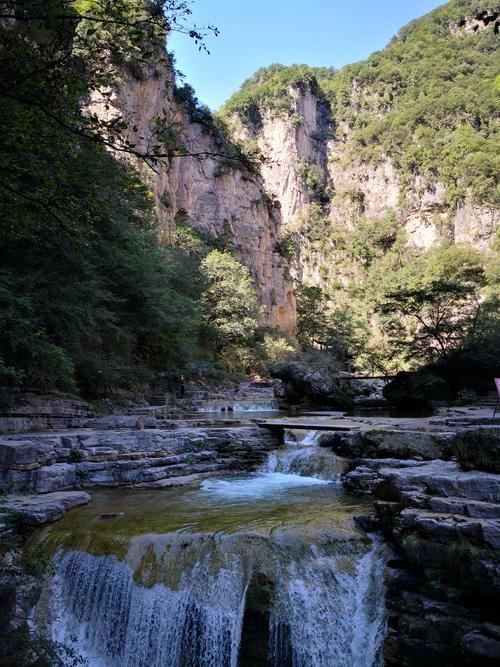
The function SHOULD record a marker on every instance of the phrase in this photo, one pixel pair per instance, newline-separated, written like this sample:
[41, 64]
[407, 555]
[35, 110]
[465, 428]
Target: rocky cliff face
[203, 188]
[305, 138]
[316, 186]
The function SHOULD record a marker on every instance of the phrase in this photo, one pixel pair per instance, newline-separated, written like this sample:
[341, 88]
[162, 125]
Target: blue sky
[257, 33]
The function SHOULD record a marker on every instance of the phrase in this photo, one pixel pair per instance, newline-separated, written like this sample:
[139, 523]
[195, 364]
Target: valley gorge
[247, 356]
[309, 170]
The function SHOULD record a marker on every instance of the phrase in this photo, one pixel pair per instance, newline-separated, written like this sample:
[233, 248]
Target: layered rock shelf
[47, 462]
[442, 518]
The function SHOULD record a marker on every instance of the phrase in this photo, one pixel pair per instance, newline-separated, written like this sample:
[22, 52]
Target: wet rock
[472, 508]
[115, 458]
[481, 645]
[344, 443]
[315, 383]
[444, 478]
[40, 509]
[30, 453]
[55, 477]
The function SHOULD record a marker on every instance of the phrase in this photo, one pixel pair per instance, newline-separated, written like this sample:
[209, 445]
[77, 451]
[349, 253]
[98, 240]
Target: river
[262, 569]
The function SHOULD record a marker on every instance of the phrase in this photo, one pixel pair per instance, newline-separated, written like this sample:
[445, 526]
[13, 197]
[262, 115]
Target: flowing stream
[256, 405]
[262, 569]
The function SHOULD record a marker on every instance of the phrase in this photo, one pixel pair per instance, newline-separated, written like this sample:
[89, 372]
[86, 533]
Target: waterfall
[329, 610]
[302, 456]
[327, 607]
[256, 405]
[243, 405]
[308, 439]
[311, 438]
[117, 623]
[306, 462]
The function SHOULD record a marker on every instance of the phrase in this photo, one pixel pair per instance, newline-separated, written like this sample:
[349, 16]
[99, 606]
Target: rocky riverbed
[442, 518]
[434, 482]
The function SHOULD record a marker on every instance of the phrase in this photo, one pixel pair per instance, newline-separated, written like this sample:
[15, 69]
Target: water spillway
[259, 569]
[256, 405]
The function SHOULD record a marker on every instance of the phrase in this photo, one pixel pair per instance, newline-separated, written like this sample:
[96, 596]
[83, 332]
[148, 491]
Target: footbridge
[309, 425]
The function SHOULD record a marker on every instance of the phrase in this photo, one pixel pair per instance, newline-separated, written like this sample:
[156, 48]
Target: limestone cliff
[408, 134]
[307, 136]
[202, 187]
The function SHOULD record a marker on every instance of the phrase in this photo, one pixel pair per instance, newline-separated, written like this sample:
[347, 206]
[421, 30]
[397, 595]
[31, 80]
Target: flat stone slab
[183, 480]
[313, 425]
[45, 508]
[446, 478]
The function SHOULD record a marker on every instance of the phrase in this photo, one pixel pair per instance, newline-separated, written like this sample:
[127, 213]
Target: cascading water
[303, 457]
[327, 608]
[118, 623]
[169, 581]
[243, 405]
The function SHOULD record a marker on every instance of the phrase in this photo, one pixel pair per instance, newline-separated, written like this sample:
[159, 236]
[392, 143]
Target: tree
[55, 56]
[321, 324]
[231, 312]
[431, 305]
[101, 306]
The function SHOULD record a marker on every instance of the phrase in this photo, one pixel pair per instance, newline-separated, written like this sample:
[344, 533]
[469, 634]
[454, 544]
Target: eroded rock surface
[83, 459]
[45, 508]
[444, 586]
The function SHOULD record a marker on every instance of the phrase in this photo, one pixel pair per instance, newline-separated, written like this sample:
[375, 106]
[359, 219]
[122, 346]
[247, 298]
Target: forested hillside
[429, 100]
[391, 200]
[135, 244]
[91, 301]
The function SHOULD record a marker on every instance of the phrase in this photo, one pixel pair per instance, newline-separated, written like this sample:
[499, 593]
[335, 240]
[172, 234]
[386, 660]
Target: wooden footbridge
[306, 425]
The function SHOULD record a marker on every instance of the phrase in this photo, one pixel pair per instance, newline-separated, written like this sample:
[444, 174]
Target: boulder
[40, 509]
[482, 646]
[55, 477]
[478, 448]
[383, 442]
[314, 383]
[444, 478]
[26, 453]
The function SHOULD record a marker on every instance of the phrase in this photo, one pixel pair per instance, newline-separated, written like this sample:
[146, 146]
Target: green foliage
[270, 89]
[371, 239]
[314, 177]
[320, 324]
[107, 296]
[288, 246]
[224, 240]
[431, 304]
[231, 311]
[187, 238]
[429, 102]
[89, 300]
[75, 455]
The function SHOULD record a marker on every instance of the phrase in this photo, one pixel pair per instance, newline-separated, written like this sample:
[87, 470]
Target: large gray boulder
[383, 442]
[442, 478]
[478, 448]
[312, 383]
[40, 509]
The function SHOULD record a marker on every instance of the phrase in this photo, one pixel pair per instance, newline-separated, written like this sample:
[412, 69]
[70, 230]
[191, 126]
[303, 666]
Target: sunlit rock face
[202, 188]
[305, 135]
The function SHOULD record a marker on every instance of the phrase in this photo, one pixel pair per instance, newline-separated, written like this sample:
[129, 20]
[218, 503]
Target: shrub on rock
[416, 391]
